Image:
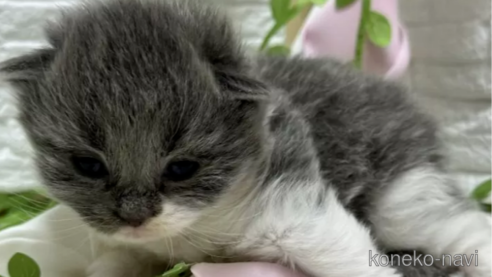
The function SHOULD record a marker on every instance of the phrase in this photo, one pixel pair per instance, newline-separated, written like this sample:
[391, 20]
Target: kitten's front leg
[425, 209]
[320, 238]
[125, 263]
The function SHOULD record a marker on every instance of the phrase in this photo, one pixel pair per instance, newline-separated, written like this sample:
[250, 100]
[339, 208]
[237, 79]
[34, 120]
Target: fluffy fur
[302, 162]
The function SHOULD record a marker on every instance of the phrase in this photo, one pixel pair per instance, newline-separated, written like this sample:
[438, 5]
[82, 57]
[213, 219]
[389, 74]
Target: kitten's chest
[189, 250]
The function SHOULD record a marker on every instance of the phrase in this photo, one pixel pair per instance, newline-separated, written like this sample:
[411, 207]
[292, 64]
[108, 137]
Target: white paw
[484, 268]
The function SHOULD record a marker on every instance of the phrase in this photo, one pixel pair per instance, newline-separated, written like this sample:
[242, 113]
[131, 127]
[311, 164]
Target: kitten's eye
[90, 167]
[181, 170]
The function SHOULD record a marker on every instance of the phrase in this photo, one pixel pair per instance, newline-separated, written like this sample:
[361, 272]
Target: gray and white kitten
[150, 122]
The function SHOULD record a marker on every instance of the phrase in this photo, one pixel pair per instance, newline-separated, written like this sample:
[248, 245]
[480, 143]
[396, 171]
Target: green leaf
[378, 29]
[282, 12]
[4, 204]
[21, 265]
[179, 270]
[269, 36]
[13, 217]
[344, 3]
[487, 207]
[281, 50]
[280, 9]
[319, 2]
[17, 208]
[482, 191]
[302, 3]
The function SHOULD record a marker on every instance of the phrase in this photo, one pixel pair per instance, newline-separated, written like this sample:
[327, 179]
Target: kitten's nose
[135, 211]
[133, 220]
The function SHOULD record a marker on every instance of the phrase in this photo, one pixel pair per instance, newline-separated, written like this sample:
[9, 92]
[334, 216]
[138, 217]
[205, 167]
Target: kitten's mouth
[151, 230]
[142, 233]
[134, 232]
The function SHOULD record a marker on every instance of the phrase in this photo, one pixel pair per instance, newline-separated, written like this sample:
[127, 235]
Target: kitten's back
[366, 131]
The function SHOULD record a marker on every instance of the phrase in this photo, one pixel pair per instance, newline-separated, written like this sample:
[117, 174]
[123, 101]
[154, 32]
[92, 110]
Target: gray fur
[137, 85]
[366, 132]
[127, 87]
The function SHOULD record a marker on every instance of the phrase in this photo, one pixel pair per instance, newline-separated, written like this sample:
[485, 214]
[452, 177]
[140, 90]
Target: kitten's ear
[222, 49]
[27, 68]
[242, 87]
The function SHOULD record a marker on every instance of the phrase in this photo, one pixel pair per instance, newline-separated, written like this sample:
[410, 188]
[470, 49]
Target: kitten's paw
[482, 266]
[483, 270]
[115, 264]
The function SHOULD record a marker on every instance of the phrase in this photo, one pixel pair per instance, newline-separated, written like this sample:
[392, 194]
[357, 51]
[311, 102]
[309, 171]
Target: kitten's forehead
[129, 51]
[109, 47]
[130, 74]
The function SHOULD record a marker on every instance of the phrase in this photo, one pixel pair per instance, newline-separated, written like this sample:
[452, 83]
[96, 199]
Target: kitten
[150, 121]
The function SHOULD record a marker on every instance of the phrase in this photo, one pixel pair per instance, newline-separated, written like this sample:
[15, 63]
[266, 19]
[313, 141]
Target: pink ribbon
[252, 269]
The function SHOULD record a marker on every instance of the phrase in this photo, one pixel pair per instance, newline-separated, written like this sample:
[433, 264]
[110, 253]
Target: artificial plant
[481, 192]
[16, 208]
[21, 265]
[373, 25]
[283, 11]
[179, 270]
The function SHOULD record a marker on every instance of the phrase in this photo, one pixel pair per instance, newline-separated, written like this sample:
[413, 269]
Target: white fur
[417, 212]
[167, 224]
[320, 240]
[285, 226]
[291, 227]
[111, 264]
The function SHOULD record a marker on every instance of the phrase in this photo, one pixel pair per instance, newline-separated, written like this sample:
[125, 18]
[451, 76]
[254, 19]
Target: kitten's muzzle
[132, 219]
[135, 211]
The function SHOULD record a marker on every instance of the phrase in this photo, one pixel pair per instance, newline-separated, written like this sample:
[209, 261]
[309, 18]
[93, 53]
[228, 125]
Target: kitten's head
[142, 115]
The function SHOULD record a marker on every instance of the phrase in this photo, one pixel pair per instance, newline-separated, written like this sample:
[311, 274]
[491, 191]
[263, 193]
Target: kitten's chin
[138, 235]
[171, 222]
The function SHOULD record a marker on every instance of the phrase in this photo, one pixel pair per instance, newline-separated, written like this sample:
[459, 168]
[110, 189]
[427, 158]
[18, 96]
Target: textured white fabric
[450, 73]
[20, 30]
[57, 240]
